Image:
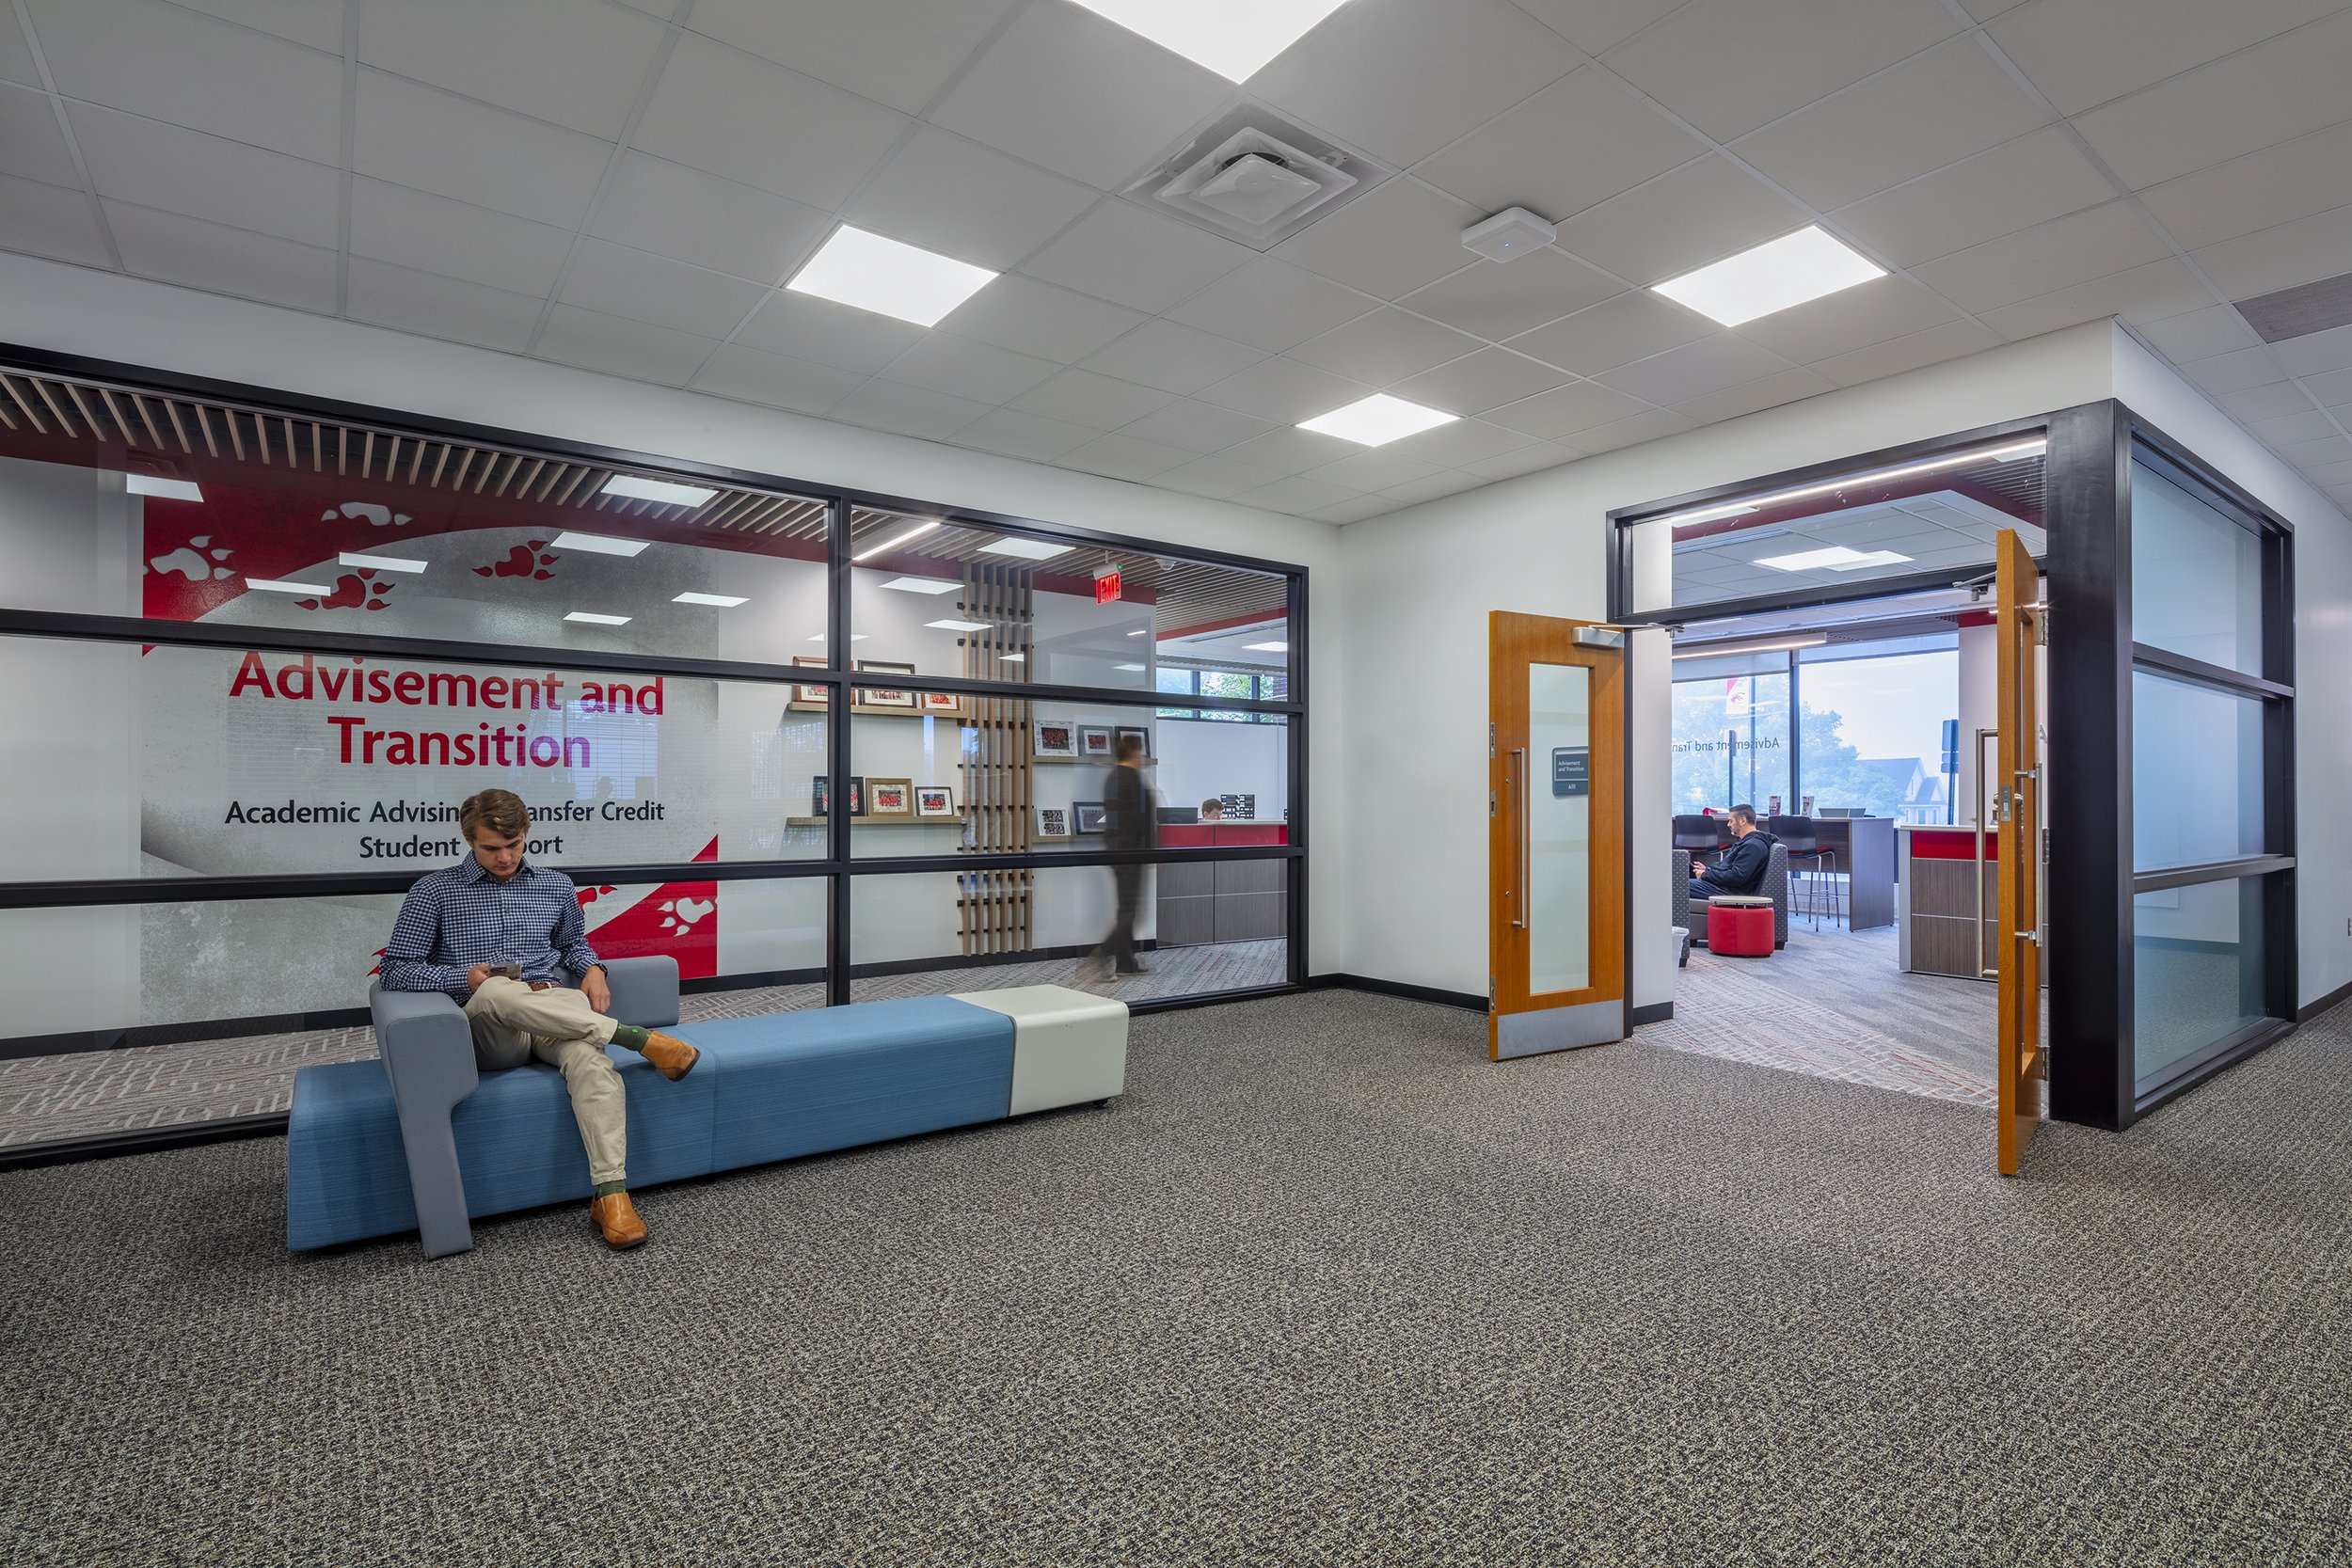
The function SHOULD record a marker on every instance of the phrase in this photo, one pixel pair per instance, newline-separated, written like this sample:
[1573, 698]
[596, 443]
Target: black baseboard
[142, 1140]
[2311, 1009]
[1468, 1000]
[75, 1041]
[1656, 1012]
[985, 961]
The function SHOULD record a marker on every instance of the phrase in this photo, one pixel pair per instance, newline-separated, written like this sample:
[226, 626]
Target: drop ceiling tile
[2303, 251]
[2333, 388]
[1699, 213]
[2330, 476]
[1388, 242]
[2038, 177]
[16, 59]
[1080, 95]
[1936, 344]
[2094, 243]
[802, 386]
[1497, 300]
[1514, 160]
[576, 63]
[2274, 401]
[435, 141]
[2150, 292]
[225, 260]
[638, 350]
[1526, 460]
[1852, 317]
[50, 220]
[1565, 410]
[408, 300]
[1445, 482]
[2269, 93]
[1401, 78]
[733, 114]
[1217, 477]
[1376, 469]
[1125, 457]
[1140, 260]
[1296, 495]
[1633, 326]
[895, 52]
[1081, 397]
[1751, 397]
[176, 170]
[1172, 358]
[1937, 108]
[967, 368]
[32, 144]
[172, 64]
[648, 288]
[1463, 441]
[954, 197]
[2331, 449]
[1360, 509]
[2082, 53]
[1289, 451]
[1598, 26]
[2279, 185]
[908, 410]
[433, 233]
[2316, 352]
[802, 326]
[1475, 383]
[2309, 426]
[1271, 304]
[1284, 391]
[1028, 317]
[1729, 65]
[2235, 372]
[316, 22]
[1387, 345]
[1197, 427]
[688, 216]
[1031, 436]
[1708, 365]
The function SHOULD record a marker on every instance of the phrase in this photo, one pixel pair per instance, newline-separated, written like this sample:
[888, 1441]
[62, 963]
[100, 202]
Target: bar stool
[1696, 835]
[1797, 834]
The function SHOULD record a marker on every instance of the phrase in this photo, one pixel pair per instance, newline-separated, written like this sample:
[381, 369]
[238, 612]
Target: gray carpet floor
[1325, 1286]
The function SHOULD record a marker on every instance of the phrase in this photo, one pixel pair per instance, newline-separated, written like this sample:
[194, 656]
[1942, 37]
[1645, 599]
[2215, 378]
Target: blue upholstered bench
[419, 1139]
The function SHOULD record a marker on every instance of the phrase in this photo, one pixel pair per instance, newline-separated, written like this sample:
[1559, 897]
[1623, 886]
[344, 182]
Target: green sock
[630, 1038]
[605, 1189]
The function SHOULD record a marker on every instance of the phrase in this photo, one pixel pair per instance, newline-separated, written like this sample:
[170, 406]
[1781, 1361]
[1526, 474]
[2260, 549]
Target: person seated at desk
[1742, 868]
[1212, 810]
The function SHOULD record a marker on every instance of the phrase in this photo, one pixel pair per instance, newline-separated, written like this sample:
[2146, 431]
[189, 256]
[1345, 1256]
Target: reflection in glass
[1558, 827]
[1731, 743]
[2196, 773]
[2196, 970]
[2196, 576]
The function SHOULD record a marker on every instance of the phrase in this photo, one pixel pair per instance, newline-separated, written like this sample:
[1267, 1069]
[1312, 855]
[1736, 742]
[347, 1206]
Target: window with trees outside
[1871, 732]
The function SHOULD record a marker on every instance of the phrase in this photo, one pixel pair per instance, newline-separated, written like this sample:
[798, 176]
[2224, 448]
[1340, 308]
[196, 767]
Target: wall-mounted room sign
[1571, 770]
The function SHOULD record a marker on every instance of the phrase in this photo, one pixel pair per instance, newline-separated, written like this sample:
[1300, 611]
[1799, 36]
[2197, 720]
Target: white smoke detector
[1509, 236]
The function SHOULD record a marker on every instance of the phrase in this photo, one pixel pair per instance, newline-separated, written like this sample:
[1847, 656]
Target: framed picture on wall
[1052, 822]
[857, 794]
[1090, 815]
[885, 696]
[947, 704]
[820, 796]
[934, 800]
[1094, 741]
[1056, 737]
[889, 798]
[1140, 733]
[811, 693]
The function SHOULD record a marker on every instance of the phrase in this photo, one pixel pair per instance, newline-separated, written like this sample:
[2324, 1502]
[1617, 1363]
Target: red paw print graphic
[351, 590]
[520, 563]
[590, 894]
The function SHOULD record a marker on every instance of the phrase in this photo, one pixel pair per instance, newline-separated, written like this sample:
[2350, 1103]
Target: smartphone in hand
[512, 972]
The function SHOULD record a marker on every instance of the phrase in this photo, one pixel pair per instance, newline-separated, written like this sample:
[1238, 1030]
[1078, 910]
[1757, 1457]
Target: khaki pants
[512, 1023]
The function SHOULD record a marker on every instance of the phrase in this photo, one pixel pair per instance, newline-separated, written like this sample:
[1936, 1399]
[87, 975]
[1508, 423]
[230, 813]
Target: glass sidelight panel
[2195, 575]
[2196, 773]
[1557, 830]
[2198, 970]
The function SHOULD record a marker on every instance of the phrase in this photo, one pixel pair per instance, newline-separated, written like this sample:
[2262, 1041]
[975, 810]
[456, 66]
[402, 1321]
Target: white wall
[101, 315]
[1203, 758]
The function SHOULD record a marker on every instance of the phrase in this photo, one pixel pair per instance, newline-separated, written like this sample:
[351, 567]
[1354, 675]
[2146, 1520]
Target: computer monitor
[1173, 816]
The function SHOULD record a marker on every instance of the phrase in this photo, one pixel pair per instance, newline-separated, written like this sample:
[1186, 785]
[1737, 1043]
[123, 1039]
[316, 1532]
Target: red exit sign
[1106, 586]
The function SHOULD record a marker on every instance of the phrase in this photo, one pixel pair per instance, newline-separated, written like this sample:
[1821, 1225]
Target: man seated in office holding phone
[1742, 866]
[502, 936]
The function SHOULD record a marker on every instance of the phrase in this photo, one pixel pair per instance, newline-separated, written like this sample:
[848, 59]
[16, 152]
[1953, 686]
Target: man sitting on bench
[1743, 864]
[501, 936]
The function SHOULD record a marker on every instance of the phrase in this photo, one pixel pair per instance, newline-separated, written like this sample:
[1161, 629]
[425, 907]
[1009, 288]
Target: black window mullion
[837, 758]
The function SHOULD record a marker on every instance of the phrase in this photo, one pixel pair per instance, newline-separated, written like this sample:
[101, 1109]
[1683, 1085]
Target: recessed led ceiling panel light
[924, 585]
[1376, 421]
[285, 585]
[1027, 549]
[1234, 38]
[161, 490]
[1875, 558]
[1836, 558]
[717, 601]
[887, 277]
[384, 563]
[915, 532]
[961, 625]
[592, 618]
[1773, 276]
[597, 544]
[1266, 647]
[1129, 669]
[657, 490]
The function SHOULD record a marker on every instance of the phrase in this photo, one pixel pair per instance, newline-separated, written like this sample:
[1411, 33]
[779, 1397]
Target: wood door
[1555, 842]
[2017, 809]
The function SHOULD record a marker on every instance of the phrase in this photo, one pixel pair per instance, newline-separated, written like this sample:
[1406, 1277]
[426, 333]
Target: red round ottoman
[1742, 927]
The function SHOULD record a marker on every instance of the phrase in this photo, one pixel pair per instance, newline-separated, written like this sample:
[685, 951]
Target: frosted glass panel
[2196, 970]
[2196, 773]
[2196, 576]
[1559, 828]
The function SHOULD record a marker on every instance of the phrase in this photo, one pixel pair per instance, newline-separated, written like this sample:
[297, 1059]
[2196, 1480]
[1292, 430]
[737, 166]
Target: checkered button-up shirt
[461, 916]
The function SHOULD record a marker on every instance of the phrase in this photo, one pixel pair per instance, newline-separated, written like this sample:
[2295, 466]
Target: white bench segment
[1068, 1046]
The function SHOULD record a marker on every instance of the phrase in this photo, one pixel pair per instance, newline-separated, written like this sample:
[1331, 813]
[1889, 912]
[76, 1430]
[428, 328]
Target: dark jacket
[1126, 810]
[1742, 866]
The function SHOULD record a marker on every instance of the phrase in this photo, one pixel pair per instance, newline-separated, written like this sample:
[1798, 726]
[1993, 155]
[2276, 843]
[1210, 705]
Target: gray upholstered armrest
[427, 1047]
[645, 991]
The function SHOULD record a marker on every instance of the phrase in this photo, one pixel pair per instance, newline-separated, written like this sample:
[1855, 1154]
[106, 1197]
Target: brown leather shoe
[674, 1056]
[616, 1217]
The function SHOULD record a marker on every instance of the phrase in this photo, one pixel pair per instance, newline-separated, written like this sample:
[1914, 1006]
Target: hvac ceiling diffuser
[1254, 177]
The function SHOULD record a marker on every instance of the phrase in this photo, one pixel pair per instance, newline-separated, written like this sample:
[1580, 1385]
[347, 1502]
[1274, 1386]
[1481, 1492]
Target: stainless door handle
[1520, 804]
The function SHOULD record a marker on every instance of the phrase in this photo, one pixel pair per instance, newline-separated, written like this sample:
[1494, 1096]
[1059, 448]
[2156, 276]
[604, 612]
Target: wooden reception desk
[1222, 900]
[1940, 875]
